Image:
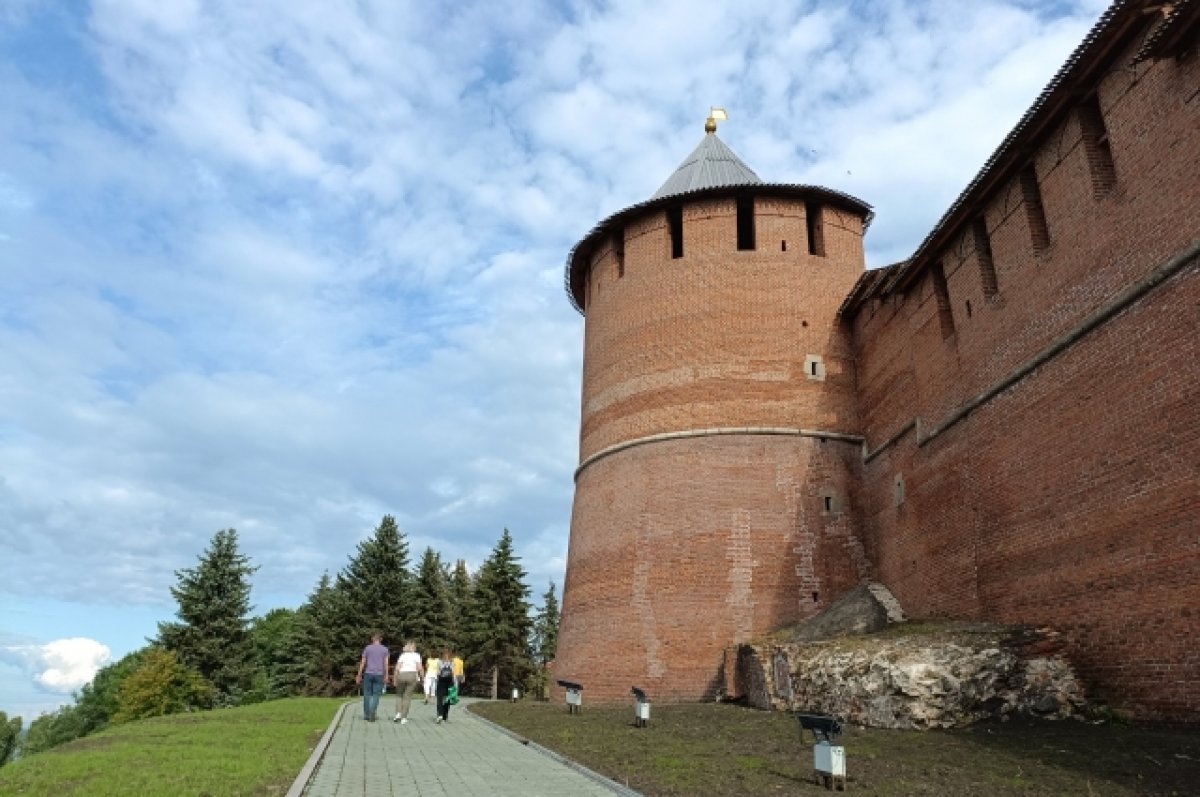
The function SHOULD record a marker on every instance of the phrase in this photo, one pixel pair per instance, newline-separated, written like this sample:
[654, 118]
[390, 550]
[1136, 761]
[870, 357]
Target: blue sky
[288, 266]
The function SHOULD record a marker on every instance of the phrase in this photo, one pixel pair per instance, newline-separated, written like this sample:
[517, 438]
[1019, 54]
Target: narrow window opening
[828, 503]
[968, 308]
[814, 367]
[675, 228]
[619, 251]
[1096, 146]
[745, 223]
[816, 231]
[898, 486]
[816, 597]
[783, 246]
[983, 253]
[1035, 212]
[942, 293]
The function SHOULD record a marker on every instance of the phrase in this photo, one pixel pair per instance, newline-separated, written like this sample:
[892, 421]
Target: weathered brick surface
[1071, 498]
[718, 337]
[681, 547]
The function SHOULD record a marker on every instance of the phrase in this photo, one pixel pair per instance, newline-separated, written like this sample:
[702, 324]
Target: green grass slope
[253, 750]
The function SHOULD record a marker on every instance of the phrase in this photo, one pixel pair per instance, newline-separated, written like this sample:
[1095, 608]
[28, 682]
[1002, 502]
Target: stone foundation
[925, 676]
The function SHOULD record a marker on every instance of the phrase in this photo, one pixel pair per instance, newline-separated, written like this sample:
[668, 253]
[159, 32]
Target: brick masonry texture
[1071, 498]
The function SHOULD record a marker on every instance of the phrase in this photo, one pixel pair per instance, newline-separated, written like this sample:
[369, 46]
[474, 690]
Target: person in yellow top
[431, 668]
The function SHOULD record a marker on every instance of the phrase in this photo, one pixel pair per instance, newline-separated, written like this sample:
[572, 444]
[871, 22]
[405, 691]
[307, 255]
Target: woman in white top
[409, 673]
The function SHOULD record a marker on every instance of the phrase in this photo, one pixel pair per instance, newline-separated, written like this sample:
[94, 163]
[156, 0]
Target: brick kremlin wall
[1071, 498]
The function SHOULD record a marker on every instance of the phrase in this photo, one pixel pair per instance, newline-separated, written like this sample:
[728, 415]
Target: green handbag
[452, 696]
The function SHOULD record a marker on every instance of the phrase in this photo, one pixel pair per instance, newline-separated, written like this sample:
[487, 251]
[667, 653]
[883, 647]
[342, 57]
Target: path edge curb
[607, 782]
[318, 753]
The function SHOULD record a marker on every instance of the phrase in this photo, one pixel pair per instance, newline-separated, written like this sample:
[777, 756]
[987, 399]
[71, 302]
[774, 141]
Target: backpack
[446, 669]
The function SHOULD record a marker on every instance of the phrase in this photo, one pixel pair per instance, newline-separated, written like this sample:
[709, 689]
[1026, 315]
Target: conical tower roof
[711, 165]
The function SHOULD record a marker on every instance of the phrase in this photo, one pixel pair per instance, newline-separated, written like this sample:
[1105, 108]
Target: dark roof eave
[576, 258]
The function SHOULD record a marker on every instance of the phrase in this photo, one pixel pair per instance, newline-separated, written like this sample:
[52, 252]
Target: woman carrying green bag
[450, 676]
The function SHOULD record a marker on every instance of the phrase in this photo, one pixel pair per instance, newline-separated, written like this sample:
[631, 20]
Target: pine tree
[431, 628]
[543, 642]
[269, 640]
[498, 623]
[214, 601]
[461, 587]
[316, 661]
[375, 591]
[545, 629]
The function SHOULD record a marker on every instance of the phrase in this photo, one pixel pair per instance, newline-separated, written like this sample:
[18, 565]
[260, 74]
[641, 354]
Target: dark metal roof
[1170, 35]
[711, 165]
[577, 258]
[1122, 19]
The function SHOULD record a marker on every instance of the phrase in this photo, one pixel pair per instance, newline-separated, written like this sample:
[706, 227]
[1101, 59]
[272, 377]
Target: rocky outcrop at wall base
[923, 676]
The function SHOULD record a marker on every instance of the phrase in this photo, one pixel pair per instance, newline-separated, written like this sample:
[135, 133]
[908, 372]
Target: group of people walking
[441, 677]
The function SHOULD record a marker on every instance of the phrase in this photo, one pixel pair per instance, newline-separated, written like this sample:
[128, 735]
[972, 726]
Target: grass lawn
[255, 750]
[717, 750]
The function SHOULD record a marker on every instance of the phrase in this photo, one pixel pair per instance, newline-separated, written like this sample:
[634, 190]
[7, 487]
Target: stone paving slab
[465, 757]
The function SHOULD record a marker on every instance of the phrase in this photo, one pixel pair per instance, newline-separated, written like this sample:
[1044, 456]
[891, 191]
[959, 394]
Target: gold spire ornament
[714, 115]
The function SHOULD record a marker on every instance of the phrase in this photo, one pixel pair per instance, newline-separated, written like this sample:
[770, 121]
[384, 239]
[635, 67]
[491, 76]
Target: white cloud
[61, 666]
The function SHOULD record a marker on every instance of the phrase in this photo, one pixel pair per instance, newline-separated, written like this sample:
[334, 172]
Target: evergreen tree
[314, 660]
[376, 595]
[431, 626]
[545, 629]
[10, 733]
[543, 643]
[461, 587]
[498, 622]
[269, 638]
[212, 636]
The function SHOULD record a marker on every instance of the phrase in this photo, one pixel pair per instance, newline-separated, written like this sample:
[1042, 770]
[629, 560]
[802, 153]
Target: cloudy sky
[288, 266]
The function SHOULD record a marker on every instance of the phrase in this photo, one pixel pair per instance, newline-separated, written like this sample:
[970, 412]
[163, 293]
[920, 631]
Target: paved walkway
[465, 757]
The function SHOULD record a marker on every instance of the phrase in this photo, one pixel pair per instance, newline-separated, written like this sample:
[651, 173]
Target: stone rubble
[928, 678]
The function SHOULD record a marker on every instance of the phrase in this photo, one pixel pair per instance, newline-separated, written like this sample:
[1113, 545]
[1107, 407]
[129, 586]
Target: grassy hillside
[727, 751]
[254, 750]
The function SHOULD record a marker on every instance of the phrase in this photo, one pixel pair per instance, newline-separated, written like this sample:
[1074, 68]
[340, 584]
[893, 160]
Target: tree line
[214, 654]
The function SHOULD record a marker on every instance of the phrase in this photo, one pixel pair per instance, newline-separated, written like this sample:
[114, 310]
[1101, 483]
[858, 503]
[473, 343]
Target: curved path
[465, 757]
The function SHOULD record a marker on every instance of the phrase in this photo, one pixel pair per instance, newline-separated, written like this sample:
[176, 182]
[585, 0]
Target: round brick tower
[718, 463]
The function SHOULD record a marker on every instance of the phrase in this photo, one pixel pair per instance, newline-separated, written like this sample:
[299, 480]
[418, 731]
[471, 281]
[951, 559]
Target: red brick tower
[718, 451]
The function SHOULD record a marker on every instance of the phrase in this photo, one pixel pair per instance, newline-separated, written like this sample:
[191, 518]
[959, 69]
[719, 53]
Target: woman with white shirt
[409, 673]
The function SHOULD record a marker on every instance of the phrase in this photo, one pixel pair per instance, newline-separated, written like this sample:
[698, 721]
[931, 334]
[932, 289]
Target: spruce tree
[461, 587]
[315, 659]
[214, 601]
[498, 623]
[431, 628]
[545, 629]
[376, 593]
[270, 637]
[543, 642]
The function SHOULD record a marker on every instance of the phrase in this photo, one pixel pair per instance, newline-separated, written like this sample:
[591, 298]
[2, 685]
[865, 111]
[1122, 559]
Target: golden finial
[714, 115]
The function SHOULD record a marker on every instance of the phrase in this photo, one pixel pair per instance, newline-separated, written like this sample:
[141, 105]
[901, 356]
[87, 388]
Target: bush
[162, 685]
